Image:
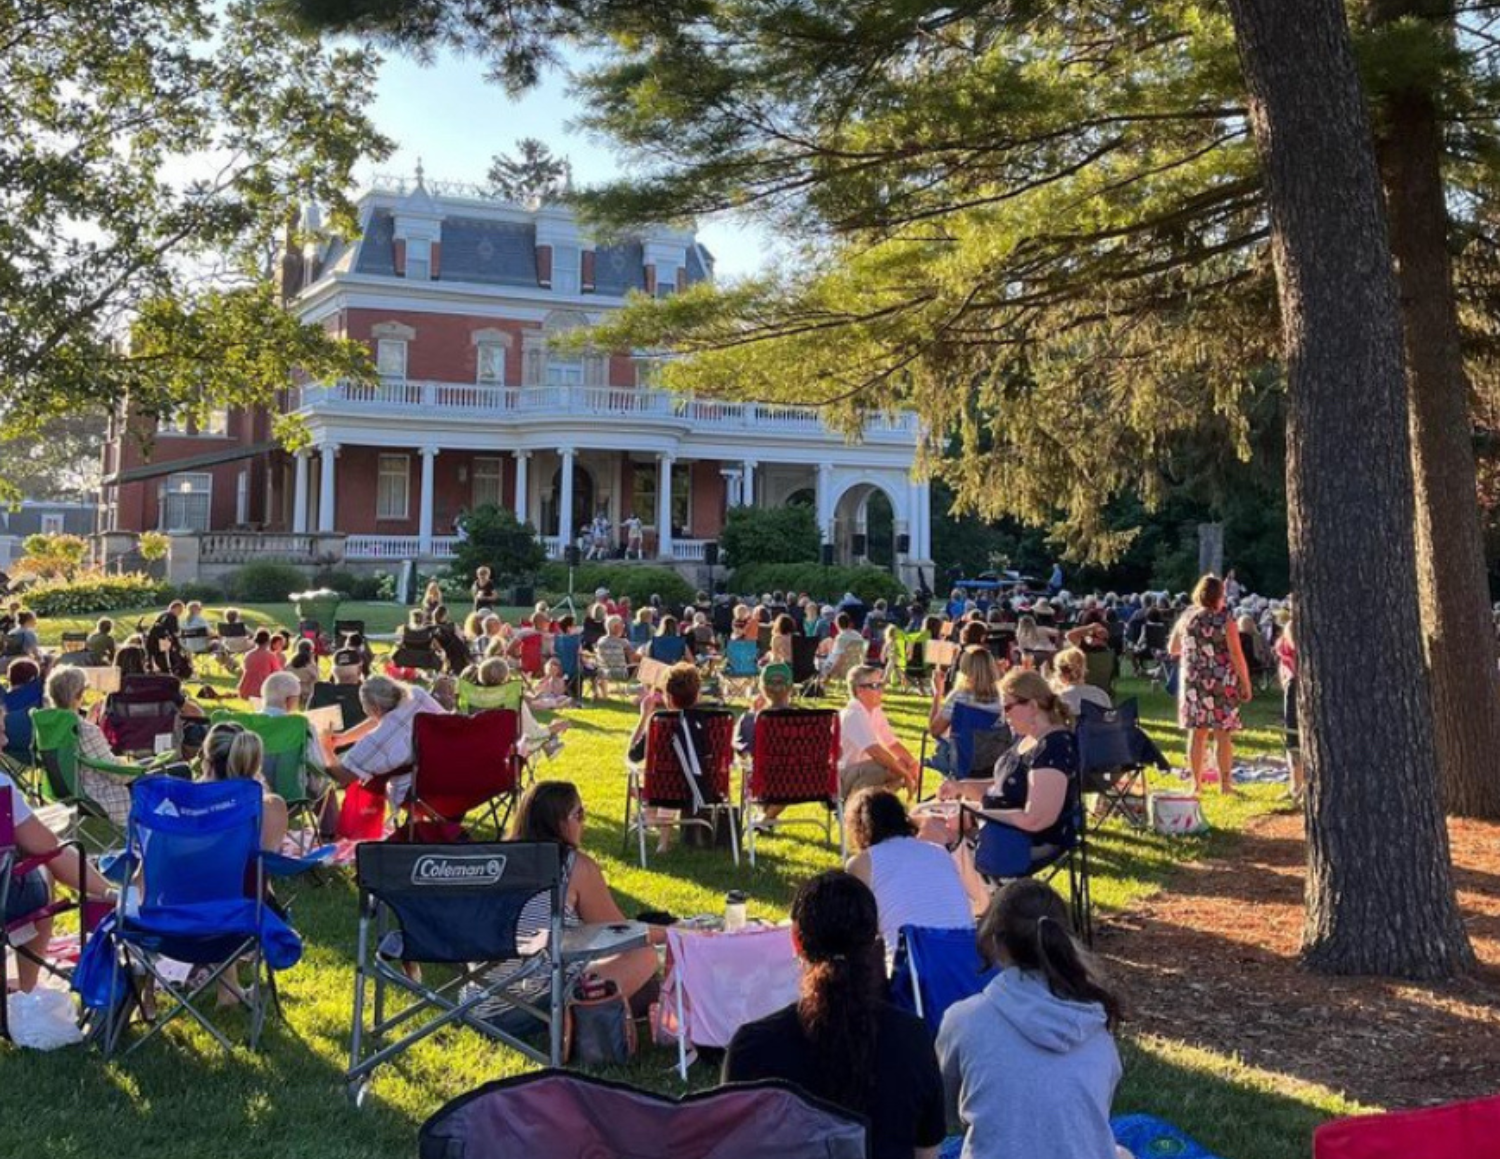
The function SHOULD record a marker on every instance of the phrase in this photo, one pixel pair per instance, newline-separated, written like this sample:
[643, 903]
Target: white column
[664, 506]
[732, 487]
[522, 459]
[299, 495]
[747, 489]
[565, 500]
[326, 506]
[825, 501]
[922, 520]
[424, 521]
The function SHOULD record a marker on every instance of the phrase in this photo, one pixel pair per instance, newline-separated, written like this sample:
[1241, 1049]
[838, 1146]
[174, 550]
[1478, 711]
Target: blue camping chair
[741, 667]
[668, 649]
[638, 634]
[935, 968]
[196, 850]
[1004, 853]
[568, 650]
[976, 738]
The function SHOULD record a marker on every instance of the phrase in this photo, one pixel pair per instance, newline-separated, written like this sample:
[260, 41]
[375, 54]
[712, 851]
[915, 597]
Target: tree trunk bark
[1379, 888]
[1454, 590]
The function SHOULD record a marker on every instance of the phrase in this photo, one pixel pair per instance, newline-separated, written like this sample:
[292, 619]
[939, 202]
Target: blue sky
[447, 115]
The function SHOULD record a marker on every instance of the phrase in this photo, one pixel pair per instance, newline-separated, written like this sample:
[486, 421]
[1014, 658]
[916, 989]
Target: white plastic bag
[44, 1019]
[1177, 814]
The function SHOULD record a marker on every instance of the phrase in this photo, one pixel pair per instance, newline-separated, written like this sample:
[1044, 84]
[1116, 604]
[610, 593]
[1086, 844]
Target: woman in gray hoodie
[1029, 1064]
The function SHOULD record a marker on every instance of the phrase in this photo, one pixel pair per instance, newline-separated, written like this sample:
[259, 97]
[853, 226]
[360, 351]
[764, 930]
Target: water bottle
[734, 911]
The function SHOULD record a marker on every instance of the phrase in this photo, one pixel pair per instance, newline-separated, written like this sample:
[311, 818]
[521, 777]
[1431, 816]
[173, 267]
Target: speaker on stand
[903, 544]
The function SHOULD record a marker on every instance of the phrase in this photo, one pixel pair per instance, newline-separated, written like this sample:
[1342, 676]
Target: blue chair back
[197, 840]
[638, 634]
[741, 658]
[668, 649]
[567, 648]
[969, 721]
[935, 968]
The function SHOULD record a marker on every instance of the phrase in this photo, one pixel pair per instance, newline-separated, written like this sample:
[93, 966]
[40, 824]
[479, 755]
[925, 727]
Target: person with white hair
[384, 744]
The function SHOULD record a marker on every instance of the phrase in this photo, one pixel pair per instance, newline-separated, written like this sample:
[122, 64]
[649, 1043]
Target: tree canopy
[152, 154]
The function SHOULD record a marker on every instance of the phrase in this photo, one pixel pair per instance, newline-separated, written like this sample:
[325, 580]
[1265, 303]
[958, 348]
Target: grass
[184, 1096]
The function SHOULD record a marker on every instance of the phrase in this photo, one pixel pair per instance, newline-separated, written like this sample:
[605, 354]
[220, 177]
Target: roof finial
[419, 173]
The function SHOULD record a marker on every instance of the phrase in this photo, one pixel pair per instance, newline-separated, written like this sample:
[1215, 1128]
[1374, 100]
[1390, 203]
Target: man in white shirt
[870, 754]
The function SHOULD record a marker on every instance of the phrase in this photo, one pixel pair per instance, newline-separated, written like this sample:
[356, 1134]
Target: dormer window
[419, 260]
[567, 269]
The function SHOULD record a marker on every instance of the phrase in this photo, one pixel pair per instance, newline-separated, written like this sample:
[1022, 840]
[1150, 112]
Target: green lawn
[183, 1096]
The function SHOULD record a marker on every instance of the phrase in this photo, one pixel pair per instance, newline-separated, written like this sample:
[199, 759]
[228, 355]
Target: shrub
[762, 535]
[153, 545]
[52, 556]
[638, 583]
[203, 593]
[822, 583]
[385, 585]
[494, 538]
[348, 583]
[93, 591]
[264, 583]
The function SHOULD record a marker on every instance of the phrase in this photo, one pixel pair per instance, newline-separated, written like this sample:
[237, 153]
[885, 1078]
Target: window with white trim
[567, 269]
[184, 501]
[393, 487]
[52, 523]
[390, 358]
[242, 497]
[486, 482]
[419, 260]
[491, 363]
[564, 371]
[215, 422]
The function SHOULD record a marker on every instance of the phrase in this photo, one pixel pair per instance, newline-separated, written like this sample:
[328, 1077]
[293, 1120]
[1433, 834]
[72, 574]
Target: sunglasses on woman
[1007, 705]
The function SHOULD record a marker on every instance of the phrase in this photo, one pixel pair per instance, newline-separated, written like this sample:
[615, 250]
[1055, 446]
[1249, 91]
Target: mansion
[458, 297]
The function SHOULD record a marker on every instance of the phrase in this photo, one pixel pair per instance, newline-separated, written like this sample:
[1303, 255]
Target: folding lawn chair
[15, 865]
[195, 847]
[976, 738]
[483, 697]
[460, 764]
[521, 1116]
[668, 649]
[529, 653]
[741, 669]
[344, 697]
[343, 629]
[638, 634]
[796, 761]
[664, 781]
[804, 663]
[145, 708]
[568, 649]
[196, 641]
[284, 764]
[75, 651]
[1467, 1130]
[54, 736]
[999, 853]
[916, 673]
[934, 968]
[461, 906]
[415, 649]
[1114, 753]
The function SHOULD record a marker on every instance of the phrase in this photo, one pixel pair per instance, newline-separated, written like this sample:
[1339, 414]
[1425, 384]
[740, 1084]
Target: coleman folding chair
[523, 1116]
[460, 764]
[934, 968]
[667, 780]
[741, 668]
[1114, 753]
[461, 906]
[796, 761]
[14, 866]
[194, 848]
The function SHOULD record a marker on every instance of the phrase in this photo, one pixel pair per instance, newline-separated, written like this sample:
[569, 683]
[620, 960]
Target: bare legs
[1223, 754]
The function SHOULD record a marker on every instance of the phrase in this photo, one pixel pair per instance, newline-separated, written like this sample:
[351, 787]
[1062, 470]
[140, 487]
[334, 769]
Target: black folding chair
[1114, 753]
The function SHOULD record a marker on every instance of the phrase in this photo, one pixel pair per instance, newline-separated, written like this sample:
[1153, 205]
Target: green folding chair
[479, 697]
[284, 761]
[54, 745]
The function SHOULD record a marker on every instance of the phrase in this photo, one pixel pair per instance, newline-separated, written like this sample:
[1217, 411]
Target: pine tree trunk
[1450, 541]
[1379, 890]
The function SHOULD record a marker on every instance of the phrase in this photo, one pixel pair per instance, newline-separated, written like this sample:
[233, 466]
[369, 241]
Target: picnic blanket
[1144, 1136]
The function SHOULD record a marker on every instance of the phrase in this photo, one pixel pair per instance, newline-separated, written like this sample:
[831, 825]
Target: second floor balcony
[536, 405]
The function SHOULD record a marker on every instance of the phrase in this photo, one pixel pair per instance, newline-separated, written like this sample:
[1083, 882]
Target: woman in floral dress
[1214, 679]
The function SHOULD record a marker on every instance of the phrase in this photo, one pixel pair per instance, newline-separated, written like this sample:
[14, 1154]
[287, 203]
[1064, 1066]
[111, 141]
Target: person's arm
[273, 823]
[968, 789]
[35, 840]
[859, 866]
[1174, 641]
[938, 722]
[950, 1063]
[1046, 794]
[1237, 658]
[595, 901]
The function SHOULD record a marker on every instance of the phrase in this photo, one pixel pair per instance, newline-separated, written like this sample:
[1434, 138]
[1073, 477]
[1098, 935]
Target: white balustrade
[543, 401]
[397, 547]
[688, 549]
[250, 546]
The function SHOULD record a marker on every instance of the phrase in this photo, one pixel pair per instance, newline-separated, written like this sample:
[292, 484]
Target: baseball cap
[776, 676]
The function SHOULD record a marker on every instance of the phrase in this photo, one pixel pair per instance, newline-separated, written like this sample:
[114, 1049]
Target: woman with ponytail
[1029, 1064]
[842, 1041]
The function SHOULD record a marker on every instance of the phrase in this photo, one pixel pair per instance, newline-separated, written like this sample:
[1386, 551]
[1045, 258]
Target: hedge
[822, 583]
[264, 583]
[636, 582]
[94, 592]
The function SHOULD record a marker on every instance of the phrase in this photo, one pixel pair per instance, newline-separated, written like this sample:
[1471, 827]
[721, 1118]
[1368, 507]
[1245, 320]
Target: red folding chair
[529, 652]
[1468, 1130]
[460, 764]
[62, 954]
[796, 761]
[663, 782]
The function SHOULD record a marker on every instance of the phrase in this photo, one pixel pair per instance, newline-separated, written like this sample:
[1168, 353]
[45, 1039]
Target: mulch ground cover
[1213, 960]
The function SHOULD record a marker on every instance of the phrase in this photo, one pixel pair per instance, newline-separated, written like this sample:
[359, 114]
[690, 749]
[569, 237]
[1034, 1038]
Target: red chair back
[531, 655]
[461, 763]
[1468, 1130]
[665, 782]
[796, 756]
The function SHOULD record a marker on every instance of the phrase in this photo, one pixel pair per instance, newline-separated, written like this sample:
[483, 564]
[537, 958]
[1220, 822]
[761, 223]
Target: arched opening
[880, 529]
[864, 526]
[803, 497]
[583, 501]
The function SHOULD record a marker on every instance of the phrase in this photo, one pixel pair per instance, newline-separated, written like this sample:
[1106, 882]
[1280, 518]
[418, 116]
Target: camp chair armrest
[114, 769]
[279, 865]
